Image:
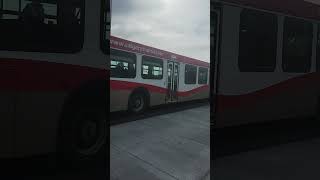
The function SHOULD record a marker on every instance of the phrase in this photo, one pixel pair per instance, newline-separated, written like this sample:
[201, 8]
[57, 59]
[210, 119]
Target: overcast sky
[179, 26]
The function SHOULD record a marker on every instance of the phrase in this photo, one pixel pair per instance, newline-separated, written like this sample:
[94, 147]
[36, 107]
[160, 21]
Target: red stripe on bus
[124, 85]
[204, 88]
[31, 75]
[294, 86]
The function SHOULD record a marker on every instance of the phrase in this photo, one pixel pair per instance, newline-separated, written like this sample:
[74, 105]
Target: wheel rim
[137, 103]
[91, 134]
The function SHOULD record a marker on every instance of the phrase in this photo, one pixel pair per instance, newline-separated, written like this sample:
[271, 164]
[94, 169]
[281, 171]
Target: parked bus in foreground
[53, 60]
[265, 60]
[143, 76]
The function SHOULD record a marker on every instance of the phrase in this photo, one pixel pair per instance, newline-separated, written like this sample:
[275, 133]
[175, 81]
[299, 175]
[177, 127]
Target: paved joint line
[181, 136]
[137, 157]
[187, 138]
[162, 138]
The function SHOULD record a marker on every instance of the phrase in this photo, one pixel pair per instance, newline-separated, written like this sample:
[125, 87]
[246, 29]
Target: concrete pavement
[166, 147]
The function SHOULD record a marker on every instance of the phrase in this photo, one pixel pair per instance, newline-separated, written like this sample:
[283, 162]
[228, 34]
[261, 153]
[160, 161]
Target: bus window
[297, 45]
[203, 75]
[123, 64]
[105, 26]
[258, 41]
[152, 68]
[41, 25]
[190, 74]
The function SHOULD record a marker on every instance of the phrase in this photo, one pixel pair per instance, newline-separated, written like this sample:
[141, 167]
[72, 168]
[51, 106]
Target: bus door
[214, 54]
[172, 82]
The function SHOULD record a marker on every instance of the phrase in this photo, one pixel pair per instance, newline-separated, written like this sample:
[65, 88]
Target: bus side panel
[189, 92]
[37, 122]
[196, 94]
[6, 124]
[122, 88]
[119, 99]
[157, 98]
[43, 88]
[255, 97]
[262, 106]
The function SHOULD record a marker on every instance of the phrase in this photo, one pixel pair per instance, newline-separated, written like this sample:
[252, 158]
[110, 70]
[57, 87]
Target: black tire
[82, 137]
[137, 103]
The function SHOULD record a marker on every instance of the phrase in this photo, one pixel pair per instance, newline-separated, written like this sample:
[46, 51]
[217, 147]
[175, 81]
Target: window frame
[309, 65]
[162, 65]
[243, 61]
[105, 44]
[1, 8]
[185, 72]
[207, 73]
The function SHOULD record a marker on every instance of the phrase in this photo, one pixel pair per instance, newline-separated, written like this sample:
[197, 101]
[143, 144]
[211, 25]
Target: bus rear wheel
[137, 103]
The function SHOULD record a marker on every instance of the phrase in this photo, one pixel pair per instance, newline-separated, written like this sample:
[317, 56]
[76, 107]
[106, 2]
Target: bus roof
[309, 9]
[122, 44]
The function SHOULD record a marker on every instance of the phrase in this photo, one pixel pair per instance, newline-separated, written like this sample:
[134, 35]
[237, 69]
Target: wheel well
[93, 93]
[141, 90]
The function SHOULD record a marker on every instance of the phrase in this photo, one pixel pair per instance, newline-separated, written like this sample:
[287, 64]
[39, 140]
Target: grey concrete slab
[127, 166]
[294, 161]
[180, 124]
[176, 144]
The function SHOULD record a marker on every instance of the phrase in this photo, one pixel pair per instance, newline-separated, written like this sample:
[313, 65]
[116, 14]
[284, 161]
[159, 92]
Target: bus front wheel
[83, 135]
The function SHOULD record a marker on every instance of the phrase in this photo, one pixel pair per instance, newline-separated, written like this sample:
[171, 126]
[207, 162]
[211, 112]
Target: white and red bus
[54, 77]
[266, 60]
[143, 76]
